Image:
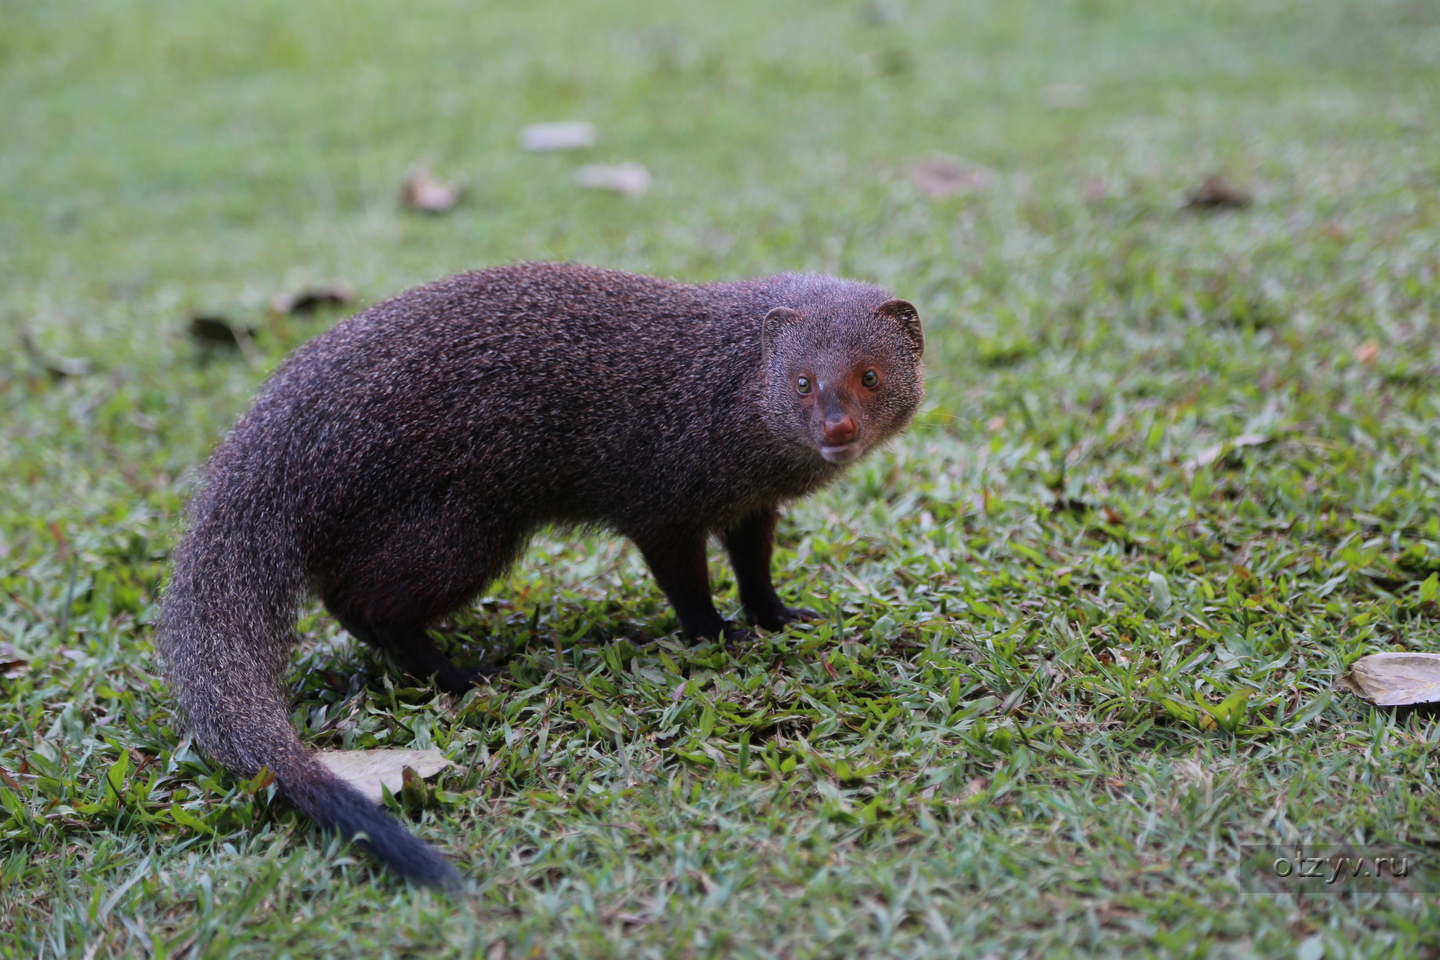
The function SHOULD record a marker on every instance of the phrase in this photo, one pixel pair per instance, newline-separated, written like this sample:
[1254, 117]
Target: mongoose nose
[839, 431]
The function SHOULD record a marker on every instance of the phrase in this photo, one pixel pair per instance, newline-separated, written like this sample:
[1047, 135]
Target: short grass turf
[1178, 468]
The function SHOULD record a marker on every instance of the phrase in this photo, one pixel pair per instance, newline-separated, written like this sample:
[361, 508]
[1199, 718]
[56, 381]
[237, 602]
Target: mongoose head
[842, 381]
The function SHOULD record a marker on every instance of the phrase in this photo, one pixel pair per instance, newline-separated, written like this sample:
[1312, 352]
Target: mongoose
[396, 464]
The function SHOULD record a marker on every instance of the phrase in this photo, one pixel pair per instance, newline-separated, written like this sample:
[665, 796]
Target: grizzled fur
[398, 463]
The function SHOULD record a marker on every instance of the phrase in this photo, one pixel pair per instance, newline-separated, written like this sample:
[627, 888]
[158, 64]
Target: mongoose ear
[903, 313]
[775, 321]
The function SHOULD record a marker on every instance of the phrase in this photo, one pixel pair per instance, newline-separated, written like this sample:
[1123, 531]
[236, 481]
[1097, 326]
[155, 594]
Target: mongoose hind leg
[412, 650]
[750, 543]
[390, 597]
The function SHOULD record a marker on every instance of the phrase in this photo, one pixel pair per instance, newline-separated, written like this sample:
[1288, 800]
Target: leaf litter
[1395, 679]
[369, 770]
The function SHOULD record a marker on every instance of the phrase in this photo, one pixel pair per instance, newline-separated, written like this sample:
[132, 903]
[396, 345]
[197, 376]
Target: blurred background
[988, 160]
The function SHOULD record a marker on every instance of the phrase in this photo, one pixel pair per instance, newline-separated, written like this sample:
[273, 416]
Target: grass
[1069, 674]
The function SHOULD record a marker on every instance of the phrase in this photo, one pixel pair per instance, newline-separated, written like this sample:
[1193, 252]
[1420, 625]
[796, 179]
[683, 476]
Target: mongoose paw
[774, 620]
[734, 636]
[459, 680]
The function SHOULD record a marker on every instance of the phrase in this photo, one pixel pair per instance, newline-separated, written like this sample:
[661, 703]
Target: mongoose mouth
[842, 452]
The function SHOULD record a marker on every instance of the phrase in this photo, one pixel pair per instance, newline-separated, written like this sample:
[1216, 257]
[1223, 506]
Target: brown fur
[398, 463]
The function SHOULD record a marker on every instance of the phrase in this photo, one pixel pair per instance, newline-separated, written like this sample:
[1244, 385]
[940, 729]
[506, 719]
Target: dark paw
[739, 635]
[776, 619]
[459, 680]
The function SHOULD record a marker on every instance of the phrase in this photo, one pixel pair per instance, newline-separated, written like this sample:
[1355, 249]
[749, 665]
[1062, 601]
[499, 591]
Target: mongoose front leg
[677, 562]
[750, 544]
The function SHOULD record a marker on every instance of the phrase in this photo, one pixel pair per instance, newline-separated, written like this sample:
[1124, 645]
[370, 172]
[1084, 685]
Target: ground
[1178, 469]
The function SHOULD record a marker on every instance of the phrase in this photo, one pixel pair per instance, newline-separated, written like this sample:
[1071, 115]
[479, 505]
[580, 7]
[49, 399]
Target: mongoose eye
[802, 386]
[870, 379]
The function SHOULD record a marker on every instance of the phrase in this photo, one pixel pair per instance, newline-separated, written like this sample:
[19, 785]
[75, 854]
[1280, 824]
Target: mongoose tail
[225, 638]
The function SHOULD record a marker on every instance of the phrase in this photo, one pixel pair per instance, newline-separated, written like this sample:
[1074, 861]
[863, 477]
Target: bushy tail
[225, 637]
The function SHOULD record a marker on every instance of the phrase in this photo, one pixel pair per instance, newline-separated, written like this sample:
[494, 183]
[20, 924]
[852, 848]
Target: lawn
[1178, 468]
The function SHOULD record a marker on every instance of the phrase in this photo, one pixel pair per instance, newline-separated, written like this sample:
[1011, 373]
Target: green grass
[1067, 675]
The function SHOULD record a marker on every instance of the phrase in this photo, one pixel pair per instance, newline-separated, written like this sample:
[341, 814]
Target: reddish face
[832, 404]
[846, 381]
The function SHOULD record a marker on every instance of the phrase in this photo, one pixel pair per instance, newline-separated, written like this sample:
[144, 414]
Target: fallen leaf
[566, 135]
[425, 192]
[883, 13]
[1097, 189]
[943, 175]
[995, 424]
[11, 663]
[1367, 352]
[367, 770]
[311, 299]
[1395, 679]
[210, 330]
[629, 178]
[58, 367]
[1212, 453]
[1216, 194]
[1064, 96]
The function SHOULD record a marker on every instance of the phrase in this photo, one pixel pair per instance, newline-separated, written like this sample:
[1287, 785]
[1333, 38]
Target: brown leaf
[1395, 679]
[59, 367]
[943, 175]
[566, 135]
[311, 299]
[1064, 96]
[210, 330]
[12, 664]
[366, 770]
[425, 192]
[628, 178]
[1214, 452]
[1216, 194]
[1367, 352]
[883, 13]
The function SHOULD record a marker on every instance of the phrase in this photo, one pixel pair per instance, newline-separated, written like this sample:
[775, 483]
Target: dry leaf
[1216, 194]
[941, 175]
[312, 299]
[58, 368]
[1367, 352]
[1064, 96]
[1212, 453]
[629, 178]
[427, 193]
[568, 135]
[366, 770]
[11, 663]
[1395, 679]
[883, 13]
[212, 332]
